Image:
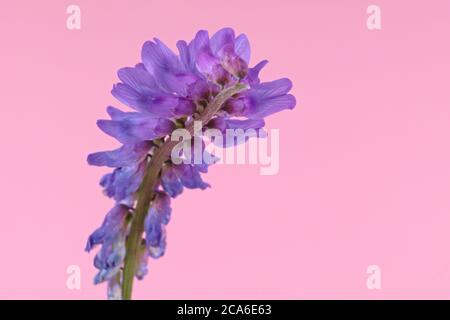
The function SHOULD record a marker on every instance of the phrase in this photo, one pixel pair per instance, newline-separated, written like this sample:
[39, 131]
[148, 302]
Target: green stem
[147, 189]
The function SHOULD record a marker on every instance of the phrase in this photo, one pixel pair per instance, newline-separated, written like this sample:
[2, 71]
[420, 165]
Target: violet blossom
[167, 91]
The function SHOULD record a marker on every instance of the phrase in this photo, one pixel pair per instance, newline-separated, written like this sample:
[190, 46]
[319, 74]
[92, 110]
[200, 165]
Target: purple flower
[262, 100]
[123, 181]
[113, 224]
[189, 176]
[111, 235]
[136, 127]
[225, 123]
[157, 218]
[168, 90]
[170, 181]
[124, 156]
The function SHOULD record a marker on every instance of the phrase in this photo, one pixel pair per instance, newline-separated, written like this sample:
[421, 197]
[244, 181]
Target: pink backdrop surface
[364, 171]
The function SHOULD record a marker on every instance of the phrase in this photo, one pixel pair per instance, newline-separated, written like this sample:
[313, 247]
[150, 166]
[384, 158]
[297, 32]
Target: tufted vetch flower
[210, 80]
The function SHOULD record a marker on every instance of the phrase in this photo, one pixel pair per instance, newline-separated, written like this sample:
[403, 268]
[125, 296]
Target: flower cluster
[168, 91]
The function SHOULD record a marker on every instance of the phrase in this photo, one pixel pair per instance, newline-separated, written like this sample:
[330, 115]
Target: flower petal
[137, 128]
[270, 106]
[161, 204]
[112, 224]
[170, 182]
[138, 79]
[166, 68]
[242, 47]
[124, 156]
[262, 100]
[123, 182]
[127, 95]
[114, 290]
[222, 40]
[253, 73]
[245, 124]
[274, 88]
[201, 50]
[110, 258]
[153, 228]
[248, 128]
[190, 177]
[156, 56]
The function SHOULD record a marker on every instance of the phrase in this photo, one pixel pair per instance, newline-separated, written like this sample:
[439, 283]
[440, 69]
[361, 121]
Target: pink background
[364, 175]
